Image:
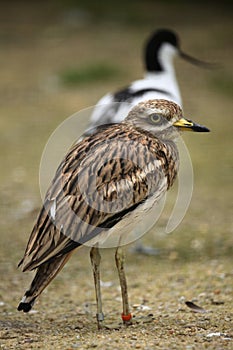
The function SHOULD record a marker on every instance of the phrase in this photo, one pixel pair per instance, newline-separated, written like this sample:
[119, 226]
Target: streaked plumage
[103, 187]
[159, 81]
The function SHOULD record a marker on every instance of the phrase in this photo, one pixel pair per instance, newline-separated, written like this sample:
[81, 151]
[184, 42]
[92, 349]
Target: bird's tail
[44, 275]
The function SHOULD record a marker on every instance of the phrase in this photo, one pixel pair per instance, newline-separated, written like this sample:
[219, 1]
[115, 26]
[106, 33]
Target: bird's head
[162, 118]
[162, 46]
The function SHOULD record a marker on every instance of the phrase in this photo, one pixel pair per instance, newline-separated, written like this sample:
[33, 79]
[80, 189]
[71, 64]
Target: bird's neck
[161, 60]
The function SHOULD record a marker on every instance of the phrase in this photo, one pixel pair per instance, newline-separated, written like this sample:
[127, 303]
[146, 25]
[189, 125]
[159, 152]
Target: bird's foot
[127, 321]
[100, 319]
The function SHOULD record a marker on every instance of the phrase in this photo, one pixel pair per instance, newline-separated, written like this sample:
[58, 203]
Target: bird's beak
[188, 125]
[197, 62]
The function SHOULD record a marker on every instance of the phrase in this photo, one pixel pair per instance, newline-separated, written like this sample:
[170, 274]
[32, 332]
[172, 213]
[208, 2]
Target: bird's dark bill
[197, 62]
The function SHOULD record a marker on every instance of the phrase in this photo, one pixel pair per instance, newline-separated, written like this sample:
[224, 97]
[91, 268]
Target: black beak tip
[200, 128]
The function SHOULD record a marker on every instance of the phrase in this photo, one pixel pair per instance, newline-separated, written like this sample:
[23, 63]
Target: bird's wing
[99, 181]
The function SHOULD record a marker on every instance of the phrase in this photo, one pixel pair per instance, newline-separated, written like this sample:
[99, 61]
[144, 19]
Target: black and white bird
[104, 187]
[159, 81]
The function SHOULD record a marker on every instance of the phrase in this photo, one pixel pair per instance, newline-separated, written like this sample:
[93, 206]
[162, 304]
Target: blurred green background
[58, 57]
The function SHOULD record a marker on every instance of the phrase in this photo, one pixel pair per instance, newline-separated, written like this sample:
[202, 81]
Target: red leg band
[126, 317]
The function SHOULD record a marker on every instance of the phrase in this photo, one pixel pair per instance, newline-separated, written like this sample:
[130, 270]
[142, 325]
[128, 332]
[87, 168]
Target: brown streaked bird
[102, 188]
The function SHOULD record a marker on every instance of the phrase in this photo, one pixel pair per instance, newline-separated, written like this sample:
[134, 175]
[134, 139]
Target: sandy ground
[38, 42]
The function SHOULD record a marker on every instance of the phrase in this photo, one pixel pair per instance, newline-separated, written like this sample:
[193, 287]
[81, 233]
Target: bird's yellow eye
[155, 118]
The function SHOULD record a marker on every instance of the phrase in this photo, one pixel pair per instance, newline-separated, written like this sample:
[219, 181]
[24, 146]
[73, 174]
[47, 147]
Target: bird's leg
[95, 261]
[120, 259]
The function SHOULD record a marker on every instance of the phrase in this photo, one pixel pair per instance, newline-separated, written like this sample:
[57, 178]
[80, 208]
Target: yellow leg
[120, 259]
[95, 261]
